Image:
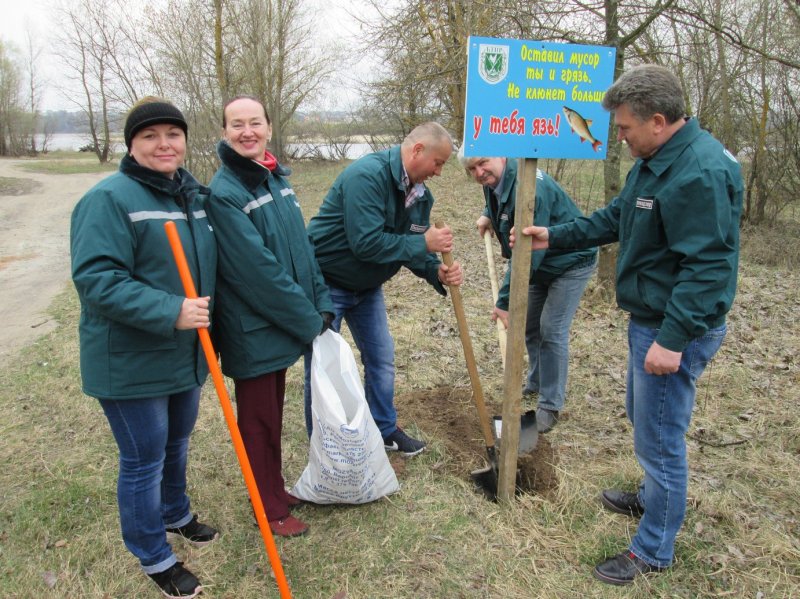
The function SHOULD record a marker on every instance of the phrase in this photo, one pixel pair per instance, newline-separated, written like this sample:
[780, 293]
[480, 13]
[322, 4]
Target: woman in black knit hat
[140, 355]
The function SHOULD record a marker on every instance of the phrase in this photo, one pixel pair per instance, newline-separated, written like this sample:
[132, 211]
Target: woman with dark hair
[271, 299]
[140, 355]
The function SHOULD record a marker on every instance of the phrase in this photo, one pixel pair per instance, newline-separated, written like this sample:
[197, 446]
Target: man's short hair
[647, 90]
[466, 161]
[429, 133]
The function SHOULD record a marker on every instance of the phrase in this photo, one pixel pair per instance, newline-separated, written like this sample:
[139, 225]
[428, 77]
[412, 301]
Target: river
[74, 141]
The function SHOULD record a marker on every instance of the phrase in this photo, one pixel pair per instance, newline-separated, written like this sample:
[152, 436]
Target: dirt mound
[448, 415]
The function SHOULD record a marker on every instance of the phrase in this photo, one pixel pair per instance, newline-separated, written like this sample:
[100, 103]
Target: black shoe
[399, 441]
[546, 420]
[622, 569]
[622, 502]
[197, 533]
[176, 582]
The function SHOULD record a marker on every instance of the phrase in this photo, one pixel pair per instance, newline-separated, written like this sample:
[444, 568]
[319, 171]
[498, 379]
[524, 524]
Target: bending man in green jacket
[558, 277]
[374, 220]
[677, 223]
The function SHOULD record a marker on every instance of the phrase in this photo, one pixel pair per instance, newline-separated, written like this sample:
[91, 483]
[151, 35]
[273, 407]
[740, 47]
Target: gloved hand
[327, 320]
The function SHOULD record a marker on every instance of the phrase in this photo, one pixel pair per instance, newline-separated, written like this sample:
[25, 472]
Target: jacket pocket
[251, 322]
[129, 339]
[642, 291]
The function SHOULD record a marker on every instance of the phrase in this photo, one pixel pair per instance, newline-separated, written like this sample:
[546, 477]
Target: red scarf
[269, 161]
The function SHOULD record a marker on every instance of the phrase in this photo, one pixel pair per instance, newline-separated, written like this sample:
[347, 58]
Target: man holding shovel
[374, 220]
[558, 278]
[677, 222]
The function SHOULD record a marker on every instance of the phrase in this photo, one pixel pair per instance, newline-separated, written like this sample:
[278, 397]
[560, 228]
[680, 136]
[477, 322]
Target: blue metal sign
[529, 99]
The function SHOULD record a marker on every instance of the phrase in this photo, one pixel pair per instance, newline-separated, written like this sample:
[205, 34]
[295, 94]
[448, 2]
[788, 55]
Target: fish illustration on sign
[579, 125]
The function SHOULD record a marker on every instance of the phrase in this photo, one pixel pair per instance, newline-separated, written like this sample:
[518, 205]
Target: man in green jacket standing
[677, 223]
[374, 220]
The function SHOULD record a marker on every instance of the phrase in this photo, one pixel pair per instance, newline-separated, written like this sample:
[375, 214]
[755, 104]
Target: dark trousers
[260, 415]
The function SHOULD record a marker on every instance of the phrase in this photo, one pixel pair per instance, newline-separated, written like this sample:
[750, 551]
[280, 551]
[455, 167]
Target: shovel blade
[485, 480]
[528, 433]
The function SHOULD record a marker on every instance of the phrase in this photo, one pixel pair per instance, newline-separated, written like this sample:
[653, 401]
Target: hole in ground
[448, 415]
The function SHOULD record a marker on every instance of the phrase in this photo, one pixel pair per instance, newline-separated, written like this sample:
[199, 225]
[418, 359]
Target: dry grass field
[436, 538]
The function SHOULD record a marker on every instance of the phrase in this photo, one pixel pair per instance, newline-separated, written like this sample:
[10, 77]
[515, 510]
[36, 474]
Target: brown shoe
[288, 527]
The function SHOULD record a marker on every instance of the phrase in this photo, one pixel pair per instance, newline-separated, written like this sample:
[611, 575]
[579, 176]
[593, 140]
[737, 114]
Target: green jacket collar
[509, 179]
[396, 167]
[675, 145]
[181, 184]
[249, 172]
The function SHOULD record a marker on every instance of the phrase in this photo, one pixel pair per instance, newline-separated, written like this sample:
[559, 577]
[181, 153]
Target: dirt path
[34, 251]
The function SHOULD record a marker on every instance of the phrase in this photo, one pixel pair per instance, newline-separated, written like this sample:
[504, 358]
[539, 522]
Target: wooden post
[518, 311]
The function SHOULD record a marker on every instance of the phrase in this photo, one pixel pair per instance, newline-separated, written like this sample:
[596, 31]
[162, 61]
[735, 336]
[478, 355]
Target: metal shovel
[485, 478]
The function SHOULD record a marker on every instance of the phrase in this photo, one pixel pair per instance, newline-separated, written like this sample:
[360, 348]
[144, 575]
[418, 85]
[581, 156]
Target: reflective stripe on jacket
[270, 291]
[128, 284]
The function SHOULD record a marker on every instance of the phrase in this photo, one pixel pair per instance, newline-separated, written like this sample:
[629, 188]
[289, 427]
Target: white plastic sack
[347, 462]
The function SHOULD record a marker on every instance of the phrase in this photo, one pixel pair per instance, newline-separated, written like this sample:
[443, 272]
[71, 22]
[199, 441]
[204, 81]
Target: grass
[59, 533]
[14, 186]
[68, 163]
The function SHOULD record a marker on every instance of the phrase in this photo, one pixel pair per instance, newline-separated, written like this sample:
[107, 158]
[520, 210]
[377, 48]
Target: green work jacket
[677, 223]
[553, 206]
[128, 284]
[363, 233]
[270, 291]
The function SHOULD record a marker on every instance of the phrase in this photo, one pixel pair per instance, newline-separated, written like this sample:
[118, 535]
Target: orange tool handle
[227, 410]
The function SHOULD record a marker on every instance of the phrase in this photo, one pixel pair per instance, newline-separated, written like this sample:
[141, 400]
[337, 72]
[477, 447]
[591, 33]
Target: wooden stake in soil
[518, 310]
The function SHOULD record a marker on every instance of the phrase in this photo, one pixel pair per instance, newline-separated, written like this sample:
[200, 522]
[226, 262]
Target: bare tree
[770, 96]
[277, 62]
[224, 48]
[734, 60]
[34, 91]
[87, 28]
[185, 65]
[423, 48]
[105, 47]
[19, 98]
[10, 82]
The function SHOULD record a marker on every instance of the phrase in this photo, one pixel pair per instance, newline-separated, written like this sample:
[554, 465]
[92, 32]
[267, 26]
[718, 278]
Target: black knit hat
[152, 113]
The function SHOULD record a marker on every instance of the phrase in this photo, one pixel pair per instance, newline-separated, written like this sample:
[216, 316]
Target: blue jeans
[365, 314]
[551, 308]
[660, 408]
[153, 439]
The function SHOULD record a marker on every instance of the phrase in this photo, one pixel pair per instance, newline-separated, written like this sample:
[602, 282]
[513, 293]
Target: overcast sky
[19, 16]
